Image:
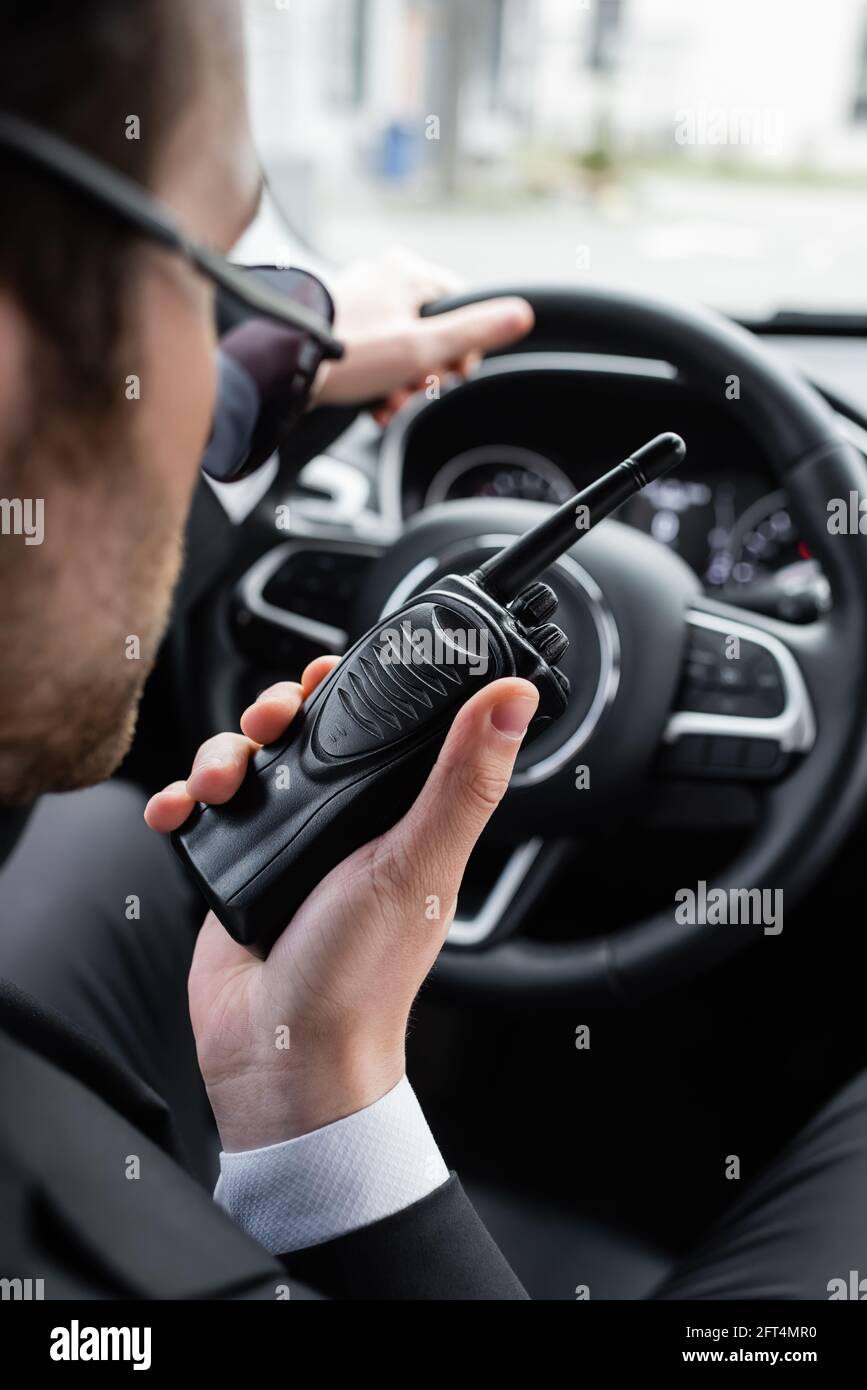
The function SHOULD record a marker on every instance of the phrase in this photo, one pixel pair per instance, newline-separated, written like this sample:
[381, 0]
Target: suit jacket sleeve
[436, 1249]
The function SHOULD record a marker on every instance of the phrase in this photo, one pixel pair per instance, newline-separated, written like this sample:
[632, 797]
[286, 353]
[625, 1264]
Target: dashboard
[540, 429]
[723, 531]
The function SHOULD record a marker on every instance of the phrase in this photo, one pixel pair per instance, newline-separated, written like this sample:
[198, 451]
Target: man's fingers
[436, 836]
[397, 358]
[219, 768]
[452, 344]
[217, 773]
[221, 763]
[446, 340]
[468, 364]
[272, 711]
[316, 672]
[169, 808]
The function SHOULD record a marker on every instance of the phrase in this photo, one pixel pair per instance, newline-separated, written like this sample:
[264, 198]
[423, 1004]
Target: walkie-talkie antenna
[511, 569]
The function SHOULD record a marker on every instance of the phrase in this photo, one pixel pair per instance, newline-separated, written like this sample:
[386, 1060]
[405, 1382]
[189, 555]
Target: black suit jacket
[74, 1124]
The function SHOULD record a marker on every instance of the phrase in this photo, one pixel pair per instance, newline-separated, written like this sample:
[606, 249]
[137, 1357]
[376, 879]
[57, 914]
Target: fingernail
[511, 717]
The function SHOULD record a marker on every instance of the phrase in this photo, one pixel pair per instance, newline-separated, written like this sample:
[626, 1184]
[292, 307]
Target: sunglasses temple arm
[114, 190]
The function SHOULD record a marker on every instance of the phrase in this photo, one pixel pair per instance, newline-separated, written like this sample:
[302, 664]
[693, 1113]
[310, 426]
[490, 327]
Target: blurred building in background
[378, 108]
[406, 89]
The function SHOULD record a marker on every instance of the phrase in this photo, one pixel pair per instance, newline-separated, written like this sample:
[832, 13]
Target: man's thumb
[468, 781]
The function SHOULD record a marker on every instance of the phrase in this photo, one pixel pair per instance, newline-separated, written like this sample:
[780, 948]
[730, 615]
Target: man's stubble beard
[71, 679]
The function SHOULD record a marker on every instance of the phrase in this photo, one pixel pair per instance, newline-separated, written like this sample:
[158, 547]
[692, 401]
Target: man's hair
[81, 69]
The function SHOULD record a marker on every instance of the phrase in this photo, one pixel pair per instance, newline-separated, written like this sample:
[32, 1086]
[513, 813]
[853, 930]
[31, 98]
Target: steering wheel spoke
[298, 595]
[742, 710]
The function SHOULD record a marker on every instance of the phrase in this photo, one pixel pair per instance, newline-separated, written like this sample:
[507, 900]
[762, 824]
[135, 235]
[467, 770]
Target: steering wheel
[655, 688]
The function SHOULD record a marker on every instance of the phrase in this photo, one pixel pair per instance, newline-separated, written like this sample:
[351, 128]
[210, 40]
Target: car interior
[671, 768]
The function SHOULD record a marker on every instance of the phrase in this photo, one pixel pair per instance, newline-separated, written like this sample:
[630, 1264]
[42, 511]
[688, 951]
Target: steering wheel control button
[318, 584]
[685, 756]
[550, 642]
[535, 604]
[723, 755]
[730, 675]
[764, 755]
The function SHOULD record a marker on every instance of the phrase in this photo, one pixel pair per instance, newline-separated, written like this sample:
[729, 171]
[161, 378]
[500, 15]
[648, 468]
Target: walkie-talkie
[357, 753]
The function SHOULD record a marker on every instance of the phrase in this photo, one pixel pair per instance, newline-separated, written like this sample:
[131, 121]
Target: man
[328, 1175]
[84, 305]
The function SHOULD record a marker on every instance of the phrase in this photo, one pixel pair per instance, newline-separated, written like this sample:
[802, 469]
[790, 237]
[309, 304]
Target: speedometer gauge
[729, 536]
[494, 470]
[690, 516]
[764, 539]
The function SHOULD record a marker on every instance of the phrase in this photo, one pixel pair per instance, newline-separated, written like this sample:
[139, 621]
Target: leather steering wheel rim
[809, 813]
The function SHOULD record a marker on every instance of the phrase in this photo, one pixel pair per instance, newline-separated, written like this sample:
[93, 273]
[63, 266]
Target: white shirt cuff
[334, 1180]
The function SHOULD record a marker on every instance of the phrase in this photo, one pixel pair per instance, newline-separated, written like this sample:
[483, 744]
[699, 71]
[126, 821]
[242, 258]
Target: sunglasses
[238, 289]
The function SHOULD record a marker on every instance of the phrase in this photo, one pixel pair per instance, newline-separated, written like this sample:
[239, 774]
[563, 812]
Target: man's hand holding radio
[316, 1031]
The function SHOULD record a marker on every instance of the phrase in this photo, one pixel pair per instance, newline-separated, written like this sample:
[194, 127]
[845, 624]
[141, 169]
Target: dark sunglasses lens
[297, 286]
[283, 378]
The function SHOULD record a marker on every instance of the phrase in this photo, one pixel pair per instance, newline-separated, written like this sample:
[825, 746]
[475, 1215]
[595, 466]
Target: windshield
[712, 150]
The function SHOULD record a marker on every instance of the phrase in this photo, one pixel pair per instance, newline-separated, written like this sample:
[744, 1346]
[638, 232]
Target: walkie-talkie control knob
[535, 604]
[550, 642]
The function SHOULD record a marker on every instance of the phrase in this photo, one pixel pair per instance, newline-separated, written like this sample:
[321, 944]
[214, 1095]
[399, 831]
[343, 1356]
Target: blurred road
[744, 247]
